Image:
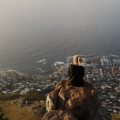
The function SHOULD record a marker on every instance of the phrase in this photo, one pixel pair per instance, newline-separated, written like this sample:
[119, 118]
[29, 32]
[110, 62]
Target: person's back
[76, 72]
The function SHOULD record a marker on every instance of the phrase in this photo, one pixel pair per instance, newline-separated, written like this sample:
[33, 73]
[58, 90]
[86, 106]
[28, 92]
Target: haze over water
[34, 29]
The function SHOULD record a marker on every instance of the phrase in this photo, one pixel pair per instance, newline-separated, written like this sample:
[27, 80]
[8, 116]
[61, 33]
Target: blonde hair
[77, 60]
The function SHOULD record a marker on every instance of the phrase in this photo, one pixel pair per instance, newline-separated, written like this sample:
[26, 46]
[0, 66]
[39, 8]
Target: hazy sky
[49, 20]
[37, 27]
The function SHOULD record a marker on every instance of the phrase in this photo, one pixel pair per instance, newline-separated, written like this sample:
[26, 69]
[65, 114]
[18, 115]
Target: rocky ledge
[67, 102]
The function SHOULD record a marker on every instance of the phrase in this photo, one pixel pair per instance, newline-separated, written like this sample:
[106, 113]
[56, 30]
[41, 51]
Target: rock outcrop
[58, 115]
[80, 102]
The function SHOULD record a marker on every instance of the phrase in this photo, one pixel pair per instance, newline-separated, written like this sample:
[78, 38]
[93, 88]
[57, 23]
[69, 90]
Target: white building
[105, 61]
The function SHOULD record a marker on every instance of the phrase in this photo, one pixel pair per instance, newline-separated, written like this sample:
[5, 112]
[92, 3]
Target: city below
[103, 72]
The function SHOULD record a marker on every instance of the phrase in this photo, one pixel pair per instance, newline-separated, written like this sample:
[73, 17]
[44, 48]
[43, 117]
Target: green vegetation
[9, 96]
[34, 96]
[115, 116]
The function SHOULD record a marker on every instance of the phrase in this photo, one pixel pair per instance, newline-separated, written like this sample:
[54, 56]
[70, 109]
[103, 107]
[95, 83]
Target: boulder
[81, 102]
[58, 115]
[51, 101]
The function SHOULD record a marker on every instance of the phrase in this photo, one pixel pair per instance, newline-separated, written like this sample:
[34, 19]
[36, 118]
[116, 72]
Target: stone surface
[81, 102]
[51, 100]
[58, 115]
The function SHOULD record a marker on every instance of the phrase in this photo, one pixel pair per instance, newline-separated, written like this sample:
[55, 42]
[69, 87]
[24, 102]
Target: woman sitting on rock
[76, 71]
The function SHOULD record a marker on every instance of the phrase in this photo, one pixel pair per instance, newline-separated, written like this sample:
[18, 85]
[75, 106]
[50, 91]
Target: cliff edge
[67, 102]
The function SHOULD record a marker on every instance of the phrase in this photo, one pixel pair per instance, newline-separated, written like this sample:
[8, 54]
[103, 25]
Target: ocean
[31, 30]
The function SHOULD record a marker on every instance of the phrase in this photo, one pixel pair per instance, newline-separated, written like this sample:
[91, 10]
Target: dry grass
[13, 111]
